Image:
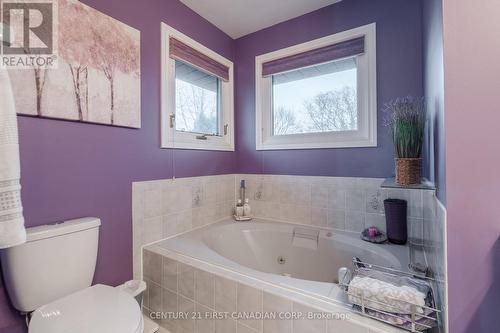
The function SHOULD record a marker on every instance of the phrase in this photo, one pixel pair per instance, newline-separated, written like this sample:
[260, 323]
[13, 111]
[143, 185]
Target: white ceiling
[241, 17]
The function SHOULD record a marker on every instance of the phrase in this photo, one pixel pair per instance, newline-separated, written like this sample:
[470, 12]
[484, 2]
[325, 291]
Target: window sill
[317, 146]
[205, 145]
[316, 141]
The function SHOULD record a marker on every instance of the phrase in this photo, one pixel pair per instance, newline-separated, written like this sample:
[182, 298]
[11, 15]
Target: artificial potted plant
[406, 120]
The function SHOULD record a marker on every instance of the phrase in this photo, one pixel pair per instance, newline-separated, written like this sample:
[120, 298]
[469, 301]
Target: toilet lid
[97, 309]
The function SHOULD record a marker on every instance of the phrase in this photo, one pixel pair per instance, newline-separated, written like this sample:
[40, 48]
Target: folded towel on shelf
[12, 231]
[386, 292]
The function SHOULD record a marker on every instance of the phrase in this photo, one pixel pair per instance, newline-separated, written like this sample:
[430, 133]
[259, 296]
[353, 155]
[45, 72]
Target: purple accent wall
[399, 63]
[71, 170]
[472, 85]
[433, 69]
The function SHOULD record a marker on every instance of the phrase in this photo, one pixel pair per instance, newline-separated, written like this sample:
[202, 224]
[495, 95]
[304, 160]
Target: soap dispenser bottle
[239, 211]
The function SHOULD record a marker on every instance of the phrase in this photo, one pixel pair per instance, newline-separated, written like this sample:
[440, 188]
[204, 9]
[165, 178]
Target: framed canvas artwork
[97, 77]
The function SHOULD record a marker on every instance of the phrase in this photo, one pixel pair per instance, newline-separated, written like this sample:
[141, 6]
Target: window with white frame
[197, 95]
[319, 94]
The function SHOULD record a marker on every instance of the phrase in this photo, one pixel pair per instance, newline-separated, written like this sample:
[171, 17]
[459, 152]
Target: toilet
[49, 279]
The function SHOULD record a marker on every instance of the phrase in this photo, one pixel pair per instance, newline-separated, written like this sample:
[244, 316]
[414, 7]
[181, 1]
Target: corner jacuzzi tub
[267, 251]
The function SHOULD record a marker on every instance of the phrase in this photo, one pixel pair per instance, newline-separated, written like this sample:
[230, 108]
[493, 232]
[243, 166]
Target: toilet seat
[97, 309]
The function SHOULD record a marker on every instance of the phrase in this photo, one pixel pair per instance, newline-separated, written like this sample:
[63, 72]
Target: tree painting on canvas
[97, 78]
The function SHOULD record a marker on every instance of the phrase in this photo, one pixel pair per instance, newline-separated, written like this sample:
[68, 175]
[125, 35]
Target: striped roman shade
[185, 53]
[317, 56]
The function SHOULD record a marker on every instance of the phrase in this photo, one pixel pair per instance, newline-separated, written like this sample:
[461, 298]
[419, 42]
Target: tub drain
[281, 260]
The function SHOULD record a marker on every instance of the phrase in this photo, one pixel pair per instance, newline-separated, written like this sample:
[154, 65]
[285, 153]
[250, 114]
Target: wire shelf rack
[416, 317]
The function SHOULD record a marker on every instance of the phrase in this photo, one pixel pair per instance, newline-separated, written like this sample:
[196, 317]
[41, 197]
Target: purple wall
[399, 61]
[433, 68]
[71, 170]
[472, 86]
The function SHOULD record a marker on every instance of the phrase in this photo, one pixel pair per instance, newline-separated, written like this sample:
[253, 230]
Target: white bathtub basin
[254, 249]
[260, 246]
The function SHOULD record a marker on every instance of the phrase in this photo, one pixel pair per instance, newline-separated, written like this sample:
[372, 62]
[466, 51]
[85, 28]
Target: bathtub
[267, 251]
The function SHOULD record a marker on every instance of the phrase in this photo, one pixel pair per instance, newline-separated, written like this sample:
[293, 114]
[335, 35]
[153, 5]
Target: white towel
[383, 296]
[12, 231]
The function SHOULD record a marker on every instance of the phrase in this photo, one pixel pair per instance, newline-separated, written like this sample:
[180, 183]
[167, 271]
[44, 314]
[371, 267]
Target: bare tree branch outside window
[334, 110]
[196, 109]
[285, 122]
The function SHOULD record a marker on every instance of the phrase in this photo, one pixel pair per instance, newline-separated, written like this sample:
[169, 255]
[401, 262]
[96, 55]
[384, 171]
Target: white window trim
[170, 138]
[366, 136]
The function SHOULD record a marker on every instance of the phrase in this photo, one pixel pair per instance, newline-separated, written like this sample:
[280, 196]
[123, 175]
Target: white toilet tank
[57, 260]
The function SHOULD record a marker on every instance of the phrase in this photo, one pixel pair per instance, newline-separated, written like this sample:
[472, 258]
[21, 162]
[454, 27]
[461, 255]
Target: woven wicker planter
[408, 171]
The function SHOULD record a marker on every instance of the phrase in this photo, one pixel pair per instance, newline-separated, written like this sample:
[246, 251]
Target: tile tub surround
[177, 283]
[343, 203]
[163, 208]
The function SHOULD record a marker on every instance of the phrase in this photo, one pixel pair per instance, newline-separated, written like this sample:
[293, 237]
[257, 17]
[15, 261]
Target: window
[320, 94]
[197, 95]
[197, 105]
[316, 99]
